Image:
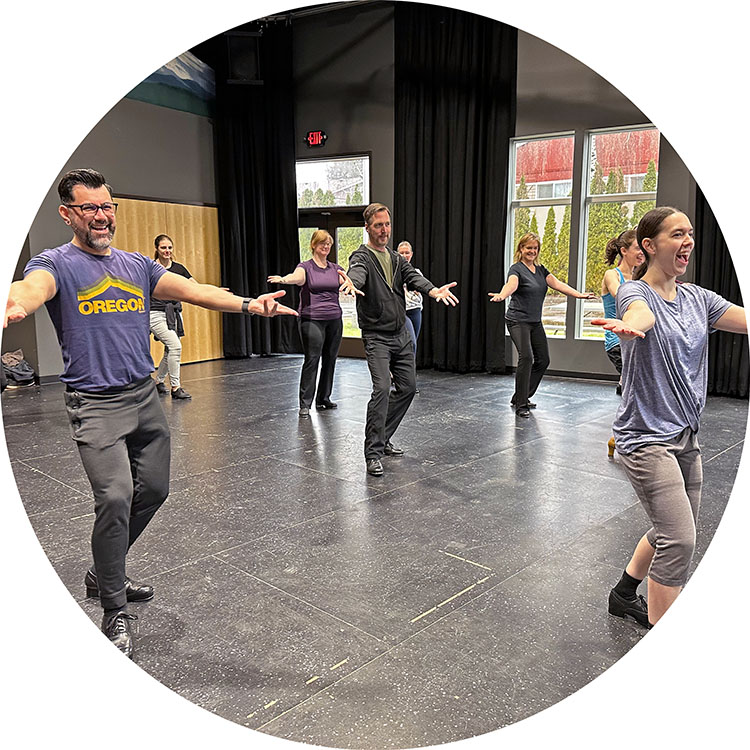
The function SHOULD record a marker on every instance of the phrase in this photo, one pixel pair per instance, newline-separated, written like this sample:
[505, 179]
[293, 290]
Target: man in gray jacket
[379, 274]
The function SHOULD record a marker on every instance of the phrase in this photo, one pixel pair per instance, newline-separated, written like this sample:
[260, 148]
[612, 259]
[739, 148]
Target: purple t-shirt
[319, 296]
[100, 313]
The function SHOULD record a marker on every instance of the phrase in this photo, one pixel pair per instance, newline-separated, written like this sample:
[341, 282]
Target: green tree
[523, 214]
[534, 225]
[355, 198]
[305, 234]
[550, 256]
[563, 242]
[306, 199]
[649, 185]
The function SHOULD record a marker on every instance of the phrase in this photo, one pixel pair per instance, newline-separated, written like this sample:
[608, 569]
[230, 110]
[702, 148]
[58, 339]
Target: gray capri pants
[667, 477]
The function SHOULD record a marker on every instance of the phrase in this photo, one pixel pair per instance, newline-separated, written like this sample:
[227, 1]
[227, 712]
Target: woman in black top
[166, 323]
[527, 282]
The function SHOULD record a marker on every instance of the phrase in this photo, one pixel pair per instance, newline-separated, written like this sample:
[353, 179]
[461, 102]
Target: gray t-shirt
[527, 301]
[664, 375]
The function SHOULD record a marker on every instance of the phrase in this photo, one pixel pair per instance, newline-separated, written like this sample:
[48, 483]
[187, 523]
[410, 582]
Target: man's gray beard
[98, 243]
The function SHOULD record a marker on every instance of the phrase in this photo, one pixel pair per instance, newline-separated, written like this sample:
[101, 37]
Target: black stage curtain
[256, 184]
[728, 362]
[455, 80]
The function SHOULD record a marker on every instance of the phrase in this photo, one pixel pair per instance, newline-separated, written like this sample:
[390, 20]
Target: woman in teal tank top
[631, 256]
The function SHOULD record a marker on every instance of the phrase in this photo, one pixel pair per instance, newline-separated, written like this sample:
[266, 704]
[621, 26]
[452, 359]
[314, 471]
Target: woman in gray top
[527, 282]
[663, 326]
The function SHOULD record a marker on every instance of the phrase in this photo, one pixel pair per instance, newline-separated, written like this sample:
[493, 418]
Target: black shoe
[523, 411]
[304, 411]
[374, 467]
[391, 450]
[135, 592]
[180, 393]
[636, 608]
[117, 628]
[327, 404]
[530, 404]
[161, 389]
[618, 390]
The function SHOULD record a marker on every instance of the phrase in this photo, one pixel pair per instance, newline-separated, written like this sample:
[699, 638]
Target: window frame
[337, 157]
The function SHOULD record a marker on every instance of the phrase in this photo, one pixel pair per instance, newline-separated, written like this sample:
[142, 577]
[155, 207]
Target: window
[333, 182]
[542, 182]
[622, 169]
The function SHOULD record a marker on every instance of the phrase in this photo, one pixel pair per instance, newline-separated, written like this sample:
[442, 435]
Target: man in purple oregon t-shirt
[98, 300]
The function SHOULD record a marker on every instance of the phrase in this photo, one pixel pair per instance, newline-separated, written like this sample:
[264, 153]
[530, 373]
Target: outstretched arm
[172, 286]
[510, 286]
[733, 320]
[27, 296]
[635, 323]
[347, 285]
[298, 277]
[561, 286]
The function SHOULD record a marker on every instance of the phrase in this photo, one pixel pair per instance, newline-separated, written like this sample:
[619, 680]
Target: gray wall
[557, 93]
[143, 150]
[344, 85]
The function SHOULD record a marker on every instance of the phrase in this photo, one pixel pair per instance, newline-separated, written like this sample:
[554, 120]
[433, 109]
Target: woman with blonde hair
[320, 321]
[527, 282]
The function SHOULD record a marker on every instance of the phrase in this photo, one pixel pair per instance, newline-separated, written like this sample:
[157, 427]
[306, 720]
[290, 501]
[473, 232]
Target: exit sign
[315, 138]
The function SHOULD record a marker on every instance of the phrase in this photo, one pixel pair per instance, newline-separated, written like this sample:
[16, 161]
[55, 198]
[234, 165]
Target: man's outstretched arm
[172, 286]
[27, 296]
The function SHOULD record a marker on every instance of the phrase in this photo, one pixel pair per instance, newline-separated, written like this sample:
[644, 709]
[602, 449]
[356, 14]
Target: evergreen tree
[523, 214]
[649, 185]
[534, 225]
[563, 243]
[356, 197]
[549, 256]
[306, 199]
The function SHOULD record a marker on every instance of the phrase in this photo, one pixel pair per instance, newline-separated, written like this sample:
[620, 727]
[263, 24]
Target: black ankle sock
[627, 586]
[110, 612]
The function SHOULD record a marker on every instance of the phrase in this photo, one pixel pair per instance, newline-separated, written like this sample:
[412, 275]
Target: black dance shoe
[636, 609]
[180, 393]
[304, 412]
[391, 450]
[117, 628]
[327, 404]
[523, 411]
[374, 467]
[162, 389]
[135, 592]
[530, 404]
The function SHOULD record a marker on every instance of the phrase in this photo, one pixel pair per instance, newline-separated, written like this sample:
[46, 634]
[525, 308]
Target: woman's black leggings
[530, 341]
[320, 340]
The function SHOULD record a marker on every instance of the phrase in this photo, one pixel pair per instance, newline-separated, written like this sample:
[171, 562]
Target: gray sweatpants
[668, 477]
[123, 441]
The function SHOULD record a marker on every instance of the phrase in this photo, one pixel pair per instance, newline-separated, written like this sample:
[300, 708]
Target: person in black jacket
[380, 274]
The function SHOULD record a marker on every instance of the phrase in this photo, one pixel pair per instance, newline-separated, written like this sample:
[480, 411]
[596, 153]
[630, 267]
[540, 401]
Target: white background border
[65, 64]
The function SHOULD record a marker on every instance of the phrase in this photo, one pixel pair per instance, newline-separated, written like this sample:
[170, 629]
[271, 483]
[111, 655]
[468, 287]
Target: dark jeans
[415, 318]
[530, 341]
[387, 354]
[320, 339]
[123, 441]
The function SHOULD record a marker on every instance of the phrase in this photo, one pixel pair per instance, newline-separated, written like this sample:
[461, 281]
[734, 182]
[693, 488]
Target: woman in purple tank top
[320, 321]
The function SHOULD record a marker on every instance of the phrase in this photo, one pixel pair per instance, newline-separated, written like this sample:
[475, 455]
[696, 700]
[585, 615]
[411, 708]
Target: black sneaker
[327, 404]
[180, 393]
[636, 609]
[162, 389]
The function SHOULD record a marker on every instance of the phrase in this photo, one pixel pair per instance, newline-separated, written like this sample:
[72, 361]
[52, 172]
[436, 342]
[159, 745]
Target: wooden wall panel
[195, 233]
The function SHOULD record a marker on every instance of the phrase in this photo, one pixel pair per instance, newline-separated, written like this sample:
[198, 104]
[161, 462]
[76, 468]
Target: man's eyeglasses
[90, 209]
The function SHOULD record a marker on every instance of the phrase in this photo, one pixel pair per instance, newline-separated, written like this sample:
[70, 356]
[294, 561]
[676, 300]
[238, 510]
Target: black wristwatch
[246, 306]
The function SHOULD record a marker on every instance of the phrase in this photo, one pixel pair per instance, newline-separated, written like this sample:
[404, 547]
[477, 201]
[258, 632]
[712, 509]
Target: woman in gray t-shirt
[527, 283]
[664, 327]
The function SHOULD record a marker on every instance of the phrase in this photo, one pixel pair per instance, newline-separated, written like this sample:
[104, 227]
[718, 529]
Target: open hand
[14, 312]
[615, 325]
[267, 306]
[495, 297]
[347, 286]
[444, 294]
